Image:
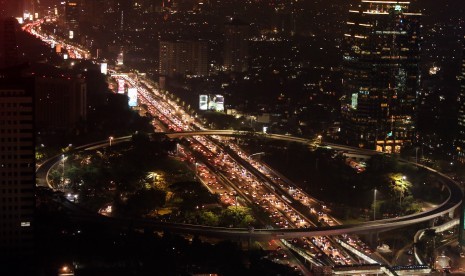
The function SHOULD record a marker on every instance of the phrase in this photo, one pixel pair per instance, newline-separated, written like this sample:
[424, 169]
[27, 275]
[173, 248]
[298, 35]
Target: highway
[453, 201]
[293, 219]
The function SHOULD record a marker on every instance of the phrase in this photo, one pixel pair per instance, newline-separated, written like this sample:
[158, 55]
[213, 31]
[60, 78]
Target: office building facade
[381, 75]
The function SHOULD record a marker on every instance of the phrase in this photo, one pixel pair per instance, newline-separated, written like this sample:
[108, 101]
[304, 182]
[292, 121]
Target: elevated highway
[453, 201]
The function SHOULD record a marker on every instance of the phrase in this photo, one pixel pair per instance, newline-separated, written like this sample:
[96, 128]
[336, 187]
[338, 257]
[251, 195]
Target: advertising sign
[104, 68]
[219, 103]
[120, 86]
[203, 102]
[132, 94]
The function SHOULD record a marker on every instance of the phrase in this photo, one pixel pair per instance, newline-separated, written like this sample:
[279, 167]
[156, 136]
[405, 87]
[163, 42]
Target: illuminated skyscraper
[461, 118]
[381, 75]
[72, 14]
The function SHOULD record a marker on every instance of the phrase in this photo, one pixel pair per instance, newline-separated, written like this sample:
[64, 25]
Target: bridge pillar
[372, 239]
[451, 214]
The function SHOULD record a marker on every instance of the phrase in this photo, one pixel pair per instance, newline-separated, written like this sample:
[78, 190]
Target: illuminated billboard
[354, 100]
[103, 68]
[211, 102]
[217, 102]
[120, 86]
[120, 59]
[203, 102]
[132, 94]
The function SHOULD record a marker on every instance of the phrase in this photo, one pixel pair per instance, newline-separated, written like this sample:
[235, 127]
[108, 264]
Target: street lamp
[110, 139]
[63, 172]
[196, 164]
[374, 205]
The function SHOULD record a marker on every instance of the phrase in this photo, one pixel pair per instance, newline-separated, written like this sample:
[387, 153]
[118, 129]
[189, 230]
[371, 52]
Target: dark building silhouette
[236, 46]
[17, 167]
[183, 57]
[8, 46]
[11, 8]
[381, 75]
[60, 99]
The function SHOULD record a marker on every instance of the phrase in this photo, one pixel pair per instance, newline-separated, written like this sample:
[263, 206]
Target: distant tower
[183, 57]
[381, 75]
[461, 118]
[72, 14]
[236, 46]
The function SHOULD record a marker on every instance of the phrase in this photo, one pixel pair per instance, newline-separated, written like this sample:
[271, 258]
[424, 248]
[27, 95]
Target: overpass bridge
[352, 152]
[453, 201]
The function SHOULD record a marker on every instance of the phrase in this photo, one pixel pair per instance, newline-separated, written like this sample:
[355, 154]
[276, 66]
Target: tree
[208, 218]
[236, 216]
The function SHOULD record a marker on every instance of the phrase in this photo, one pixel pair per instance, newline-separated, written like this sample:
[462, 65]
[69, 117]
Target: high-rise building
[17, 167]
[381, 75]
[236, 46]
[183, 57]
[72, 14]
[461, 116]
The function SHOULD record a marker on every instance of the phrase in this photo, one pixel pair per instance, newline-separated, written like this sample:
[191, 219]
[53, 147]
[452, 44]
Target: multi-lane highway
[225, 169]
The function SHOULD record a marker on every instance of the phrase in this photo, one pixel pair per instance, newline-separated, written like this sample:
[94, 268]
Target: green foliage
[236, 216]
[208, 218]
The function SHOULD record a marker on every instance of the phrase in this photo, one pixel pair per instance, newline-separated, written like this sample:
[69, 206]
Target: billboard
[132, 94]
[103, 68]
[120, 86]
[120, 59]
[203, 102]
[211, 102]
[218, 101]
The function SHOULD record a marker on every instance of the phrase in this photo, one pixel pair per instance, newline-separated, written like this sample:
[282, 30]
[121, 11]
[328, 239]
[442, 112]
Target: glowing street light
[110, 139]
[65, 271]
[63, 172]
[374, 205]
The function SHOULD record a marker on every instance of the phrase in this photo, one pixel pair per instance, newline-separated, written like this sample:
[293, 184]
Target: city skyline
[189, 137]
